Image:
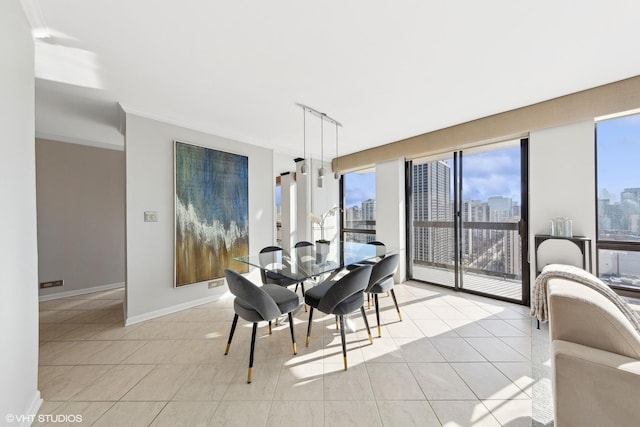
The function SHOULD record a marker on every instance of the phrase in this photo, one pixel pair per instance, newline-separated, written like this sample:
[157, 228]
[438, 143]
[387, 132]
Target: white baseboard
[81, 291]
[174, 309]
[32, 411]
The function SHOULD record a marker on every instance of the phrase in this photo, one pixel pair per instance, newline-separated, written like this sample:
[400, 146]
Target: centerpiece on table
[322, 245]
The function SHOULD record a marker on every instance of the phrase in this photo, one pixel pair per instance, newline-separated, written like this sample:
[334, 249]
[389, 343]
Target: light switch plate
[215, 283]
[150, 216]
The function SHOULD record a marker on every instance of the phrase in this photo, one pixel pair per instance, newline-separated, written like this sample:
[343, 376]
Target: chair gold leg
[293, 338]
[253, 346]
[344, 342]
[309, 327]
[395, 302]
[378, 315]
[366, 324]
[233, 329]
[337, 323]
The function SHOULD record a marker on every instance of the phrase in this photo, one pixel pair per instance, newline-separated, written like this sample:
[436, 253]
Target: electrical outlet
[150, 216]
[51, 284]
[216, 283]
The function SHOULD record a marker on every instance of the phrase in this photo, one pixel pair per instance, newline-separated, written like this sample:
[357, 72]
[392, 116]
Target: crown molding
[81, 141]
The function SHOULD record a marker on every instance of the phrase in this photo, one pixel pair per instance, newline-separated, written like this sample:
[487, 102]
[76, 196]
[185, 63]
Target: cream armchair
[595, 353]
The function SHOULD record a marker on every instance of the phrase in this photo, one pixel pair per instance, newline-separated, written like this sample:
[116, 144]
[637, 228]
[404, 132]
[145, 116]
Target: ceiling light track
[319, 114]
[323, 118]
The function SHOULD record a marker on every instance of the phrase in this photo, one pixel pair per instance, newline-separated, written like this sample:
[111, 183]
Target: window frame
[604, 244]
[344, 230]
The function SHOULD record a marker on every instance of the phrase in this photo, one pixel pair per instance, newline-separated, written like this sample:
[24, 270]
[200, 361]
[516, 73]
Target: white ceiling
[387, 70]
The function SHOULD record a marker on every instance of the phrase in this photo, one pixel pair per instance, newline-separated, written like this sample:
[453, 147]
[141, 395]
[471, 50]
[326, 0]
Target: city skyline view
[485, 175]
[618, 184]
[618, 153]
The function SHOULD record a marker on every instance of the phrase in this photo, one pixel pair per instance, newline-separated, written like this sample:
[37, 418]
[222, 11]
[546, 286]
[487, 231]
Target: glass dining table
[313, 261]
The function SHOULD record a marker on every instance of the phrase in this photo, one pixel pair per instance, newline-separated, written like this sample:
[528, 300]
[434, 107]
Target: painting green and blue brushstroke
[212, 210]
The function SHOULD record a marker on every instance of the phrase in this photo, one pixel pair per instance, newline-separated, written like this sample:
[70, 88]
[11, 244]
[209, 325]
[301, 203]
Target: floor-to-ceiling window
[466, 229]
[359, 206]
[278, 200]
[618, 193]
[433, 231]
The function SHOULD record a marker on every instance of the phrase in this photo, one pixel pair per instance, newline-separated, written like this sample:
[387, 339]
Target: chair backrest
[384, 269]
[245, 290]
[381, 248]
[302, 244]
[305, 253]
[350, 284]
[267, 252]
[267, 258]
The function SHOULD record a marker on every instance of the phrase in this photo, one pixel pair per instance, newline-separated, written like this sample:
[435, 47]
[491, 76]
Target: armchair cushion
[581, 315]
[595, 357]
[593, 387]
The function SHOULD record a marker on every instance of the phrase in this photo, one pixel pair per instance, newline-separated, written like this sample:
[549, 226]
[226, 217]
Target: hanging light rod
[319, 114]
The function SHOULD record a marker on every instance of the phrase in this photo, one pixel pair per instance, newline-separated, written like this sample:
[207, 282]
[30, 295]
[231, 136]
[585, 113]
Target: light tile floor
[455, 360]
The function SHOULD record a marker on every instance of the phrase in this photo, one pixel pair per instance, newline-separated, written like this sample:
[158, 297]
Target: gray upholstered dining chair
[302, 244]
[298, 245]
[340, 297]
[381, 250]
[259, 303]
[267, 258]
[381, 280]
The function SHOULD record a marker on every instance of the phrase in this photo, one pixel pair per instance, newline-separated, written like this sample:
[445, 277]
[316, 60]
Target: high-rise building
[500, 209]
[431, 203]
[630, 204]
[369, 210]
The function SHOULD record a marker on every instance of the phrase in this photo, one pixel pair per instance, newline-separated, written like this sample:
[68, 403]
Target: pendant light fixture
[336, 174]
[304, 169]
[321, 168]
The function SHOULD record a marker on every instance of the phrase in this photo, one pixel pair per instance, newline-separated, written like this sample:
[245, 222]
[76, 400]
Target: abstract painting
[211, 213]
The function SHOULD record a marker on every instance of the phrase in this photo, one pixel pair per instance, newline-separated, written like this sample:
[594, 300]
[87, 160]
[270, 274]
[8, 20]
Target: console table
[582, 242]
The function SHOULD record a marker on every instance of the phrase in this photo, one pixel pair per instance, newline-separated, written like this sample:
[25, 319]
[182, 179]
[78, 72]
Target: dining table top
[314, 260]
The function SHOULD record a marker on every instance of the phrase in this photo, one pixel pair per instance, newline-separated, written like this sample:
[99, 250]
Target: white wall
[390, 210]
[149, 186]
[19, 393]
[282, 163]
[322, 199]
[80, 195]
[561, 184]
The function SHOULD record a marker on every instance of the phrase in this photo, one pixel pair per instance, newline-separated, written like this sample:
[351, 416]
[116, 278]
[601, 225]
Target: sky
[359, 187]
[618, 154]
[494, 173]
[497, 173]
